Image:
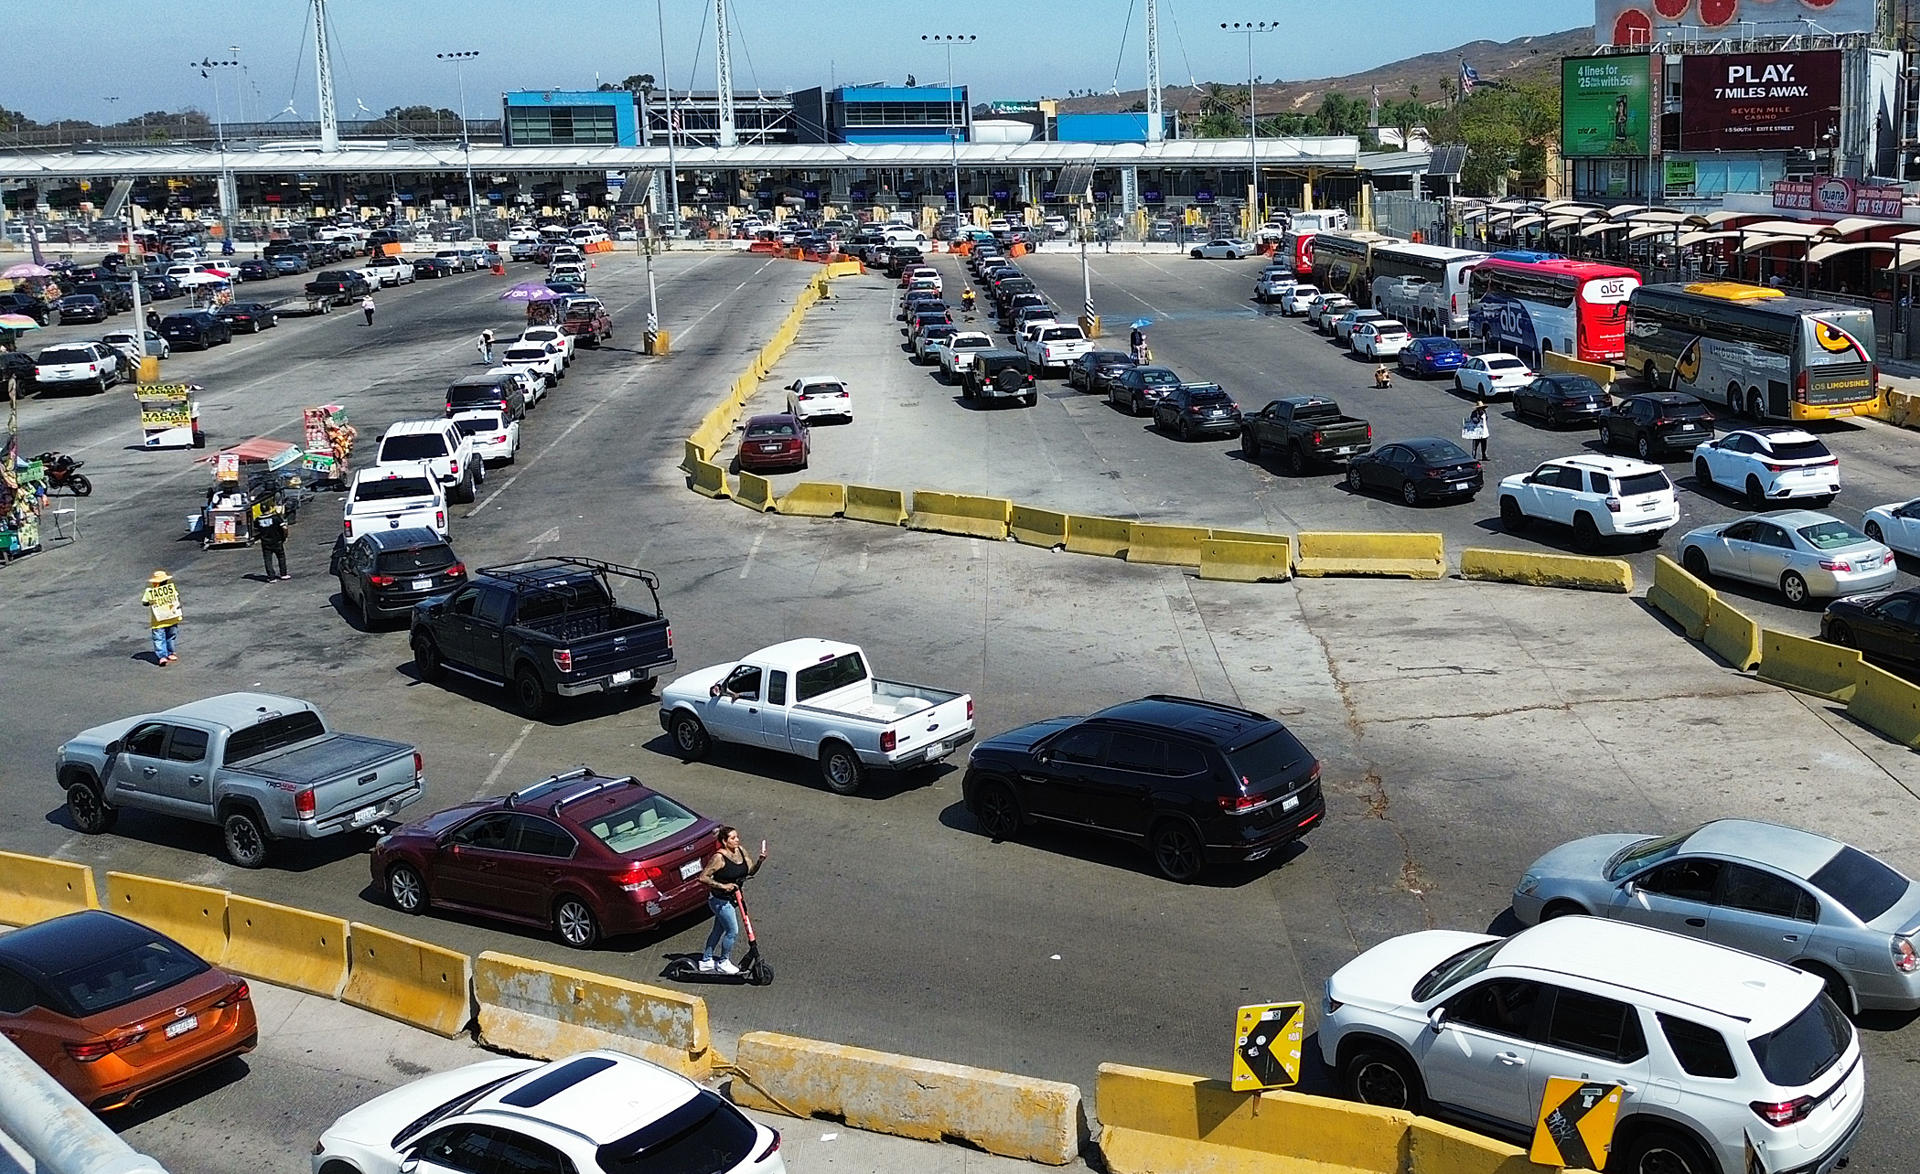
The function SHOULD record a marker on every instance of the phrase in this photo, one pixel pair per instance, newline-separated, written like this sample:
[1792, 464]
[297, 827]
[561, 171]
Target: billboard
[1605, 105]
[1829, 195]
[1758, 101]
[1640, 22]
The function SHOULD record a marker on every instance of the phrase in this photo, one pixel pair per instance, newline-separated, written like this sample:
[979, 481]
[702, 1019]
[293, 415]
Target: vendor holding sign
[162, 600]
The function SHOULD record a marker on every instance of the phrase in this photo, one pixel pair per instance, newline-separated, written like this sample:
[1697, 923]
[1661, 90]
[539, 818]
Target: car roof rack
[541, 572]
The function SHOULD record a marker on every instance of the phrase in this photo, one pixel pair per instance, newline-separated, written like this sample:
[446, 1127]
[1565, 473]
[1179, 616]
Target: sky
[137, 56]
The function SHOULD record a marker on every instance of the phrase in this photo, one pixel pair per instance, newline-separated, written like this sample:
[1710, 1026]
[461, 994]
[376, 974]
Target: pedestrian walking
[272, 529]
[162, 600]
[726, 870]
[1137, 343]
[486, 346]
[1474, 428]
[367, 308]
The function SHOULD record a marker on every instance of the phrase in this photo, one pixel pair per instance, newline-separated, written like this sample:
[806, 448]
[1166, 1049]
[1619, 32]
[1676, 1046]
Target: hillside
[1528, 59]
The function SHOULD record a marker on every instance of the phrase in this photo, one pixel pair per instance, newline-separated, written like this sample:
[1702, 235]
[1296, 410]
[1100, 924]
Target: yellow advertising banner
[1575, 1127]
[1266, 1046]
[167, 417]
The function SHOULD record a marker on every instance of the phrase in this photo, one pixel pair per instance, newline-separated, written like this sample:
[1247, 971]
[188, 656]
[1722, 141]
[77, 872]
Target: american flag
[1469, 78]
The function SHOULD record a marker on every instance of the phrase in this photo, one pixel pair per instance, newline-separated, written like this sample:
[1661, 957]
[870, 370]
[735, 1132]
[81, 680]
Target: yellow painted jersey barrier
[193, 915]
[1547, 570]
[33, 889]
[960, 513]
[754, 492]
[814, 499]
[1682, 597]
[870, 503]
[1107, 537]
[1033, 526]
[1163, 545]
[1246, 562]
[1733, 634]
[542, 1009]
[1886, 703]
[286, 946]
[1810, 666]
[406, 979]
[1405, 556]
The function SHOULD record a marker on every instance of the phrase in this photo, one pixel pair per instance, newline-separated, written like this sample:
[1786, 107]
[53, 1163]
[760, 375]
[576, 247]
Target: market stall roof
[274, 453]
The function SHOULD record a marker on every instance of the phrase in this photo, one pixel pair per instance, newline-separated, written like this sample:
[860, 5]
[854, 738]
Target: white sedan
[813, 397]
[1491, 376]
[1222, 249]
[1897, 524]
[542, 359]
[1383, 338]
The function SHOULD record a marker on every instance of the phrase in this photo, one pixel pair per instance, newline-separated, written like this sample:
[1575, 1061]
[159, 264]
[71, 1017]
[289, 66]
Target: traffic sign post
[1266, 1046]
[1575, 1127]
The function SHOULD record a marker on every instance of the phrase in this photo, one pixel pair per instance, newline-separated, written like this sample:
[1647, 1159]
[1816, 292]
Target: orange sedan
[113, 1010]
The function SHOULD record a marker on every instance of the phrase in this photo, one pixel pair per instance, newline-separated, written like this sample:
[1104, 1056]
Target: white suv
[1769, 464]
[442, 447]
[1714, 1050]
[1611, 497]
[1274, 281]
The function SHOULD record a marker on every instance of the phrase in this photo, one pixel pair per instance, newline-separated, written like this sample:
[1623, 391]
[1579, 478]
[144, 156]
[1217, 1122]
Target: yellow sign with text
[1575, 1128]
[1266, 1046]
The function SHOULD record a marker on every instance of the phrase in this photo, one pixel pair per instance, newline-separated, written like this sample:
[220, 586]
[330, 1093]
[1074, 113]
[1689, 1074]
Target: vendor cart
[250, 479]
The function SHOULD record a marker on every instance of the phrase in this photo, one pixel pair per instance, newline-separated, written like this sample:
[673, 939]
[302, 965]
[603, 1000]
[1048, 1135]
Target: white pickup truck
[958, 351]
[816, 698]
[1055, 347]
[393, 497]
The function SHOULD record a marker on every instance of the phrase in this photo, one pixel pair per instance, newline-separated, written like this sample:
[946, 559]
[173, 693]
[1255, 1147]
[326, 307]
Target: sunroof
[542, 1088]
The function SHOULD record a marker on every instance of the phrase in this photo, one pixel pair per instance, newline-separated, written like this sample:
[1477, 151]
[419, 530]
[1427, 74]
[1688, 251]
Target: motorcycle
[63, 472]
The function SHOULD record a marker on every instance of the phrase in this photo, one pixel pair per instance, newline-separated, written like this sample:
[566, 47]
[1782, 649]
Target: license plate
[1289, 803]
[1460, 484]
[181, 1027]
[1839, 411]
[769, 448]
[422, 584]
[936, 753]
[1647, 505]
[690, 869]
[623, 676]
[1343, 451]
[365, 815]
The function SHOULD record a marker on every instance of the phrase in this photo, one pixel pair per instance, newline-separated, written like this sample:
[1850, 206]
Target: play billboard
[1758, 101]
[1641, 22]
[1605, 105]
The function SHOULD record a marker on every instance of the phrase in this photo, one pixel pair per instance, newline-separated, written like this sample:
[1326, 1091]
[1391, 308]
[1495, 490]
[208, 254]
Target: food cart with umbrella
[209, 290]
[250, 478]
[541, 301]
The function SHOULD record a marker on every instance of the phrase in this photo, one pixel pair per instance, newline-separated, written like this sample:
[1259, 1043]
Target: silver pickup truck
[260, 767]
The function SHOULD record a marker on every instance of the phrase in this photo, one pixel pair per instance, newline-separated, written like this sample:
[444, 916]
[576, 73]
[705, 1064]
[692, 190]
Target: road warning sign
[1266, 1046]
[1575, 1129]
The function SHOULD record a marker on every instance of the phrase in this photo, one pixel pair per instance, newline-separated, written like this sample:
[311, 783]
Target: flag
[1373, 109]
[1469, 78]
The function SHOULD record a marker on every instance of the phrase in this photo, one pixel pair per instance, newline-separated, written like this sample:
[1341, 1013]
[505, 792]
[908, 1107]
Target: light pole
[1250, 27]
[666, 85]
[207, 66]
[460, 60]
[948, 41]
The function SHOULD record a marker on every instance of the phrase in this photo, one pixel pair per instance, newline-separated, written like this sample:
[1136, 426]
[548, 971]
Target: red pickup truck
[587, 320]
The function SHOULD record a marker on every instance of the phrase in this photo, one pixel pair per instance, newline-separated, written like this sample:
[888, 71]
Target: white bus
[1425, 286]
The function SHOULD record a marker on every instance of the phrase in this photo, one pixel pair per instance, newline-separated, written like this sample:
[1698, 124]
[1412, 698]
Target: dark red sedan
[776, 441]
[589, 855]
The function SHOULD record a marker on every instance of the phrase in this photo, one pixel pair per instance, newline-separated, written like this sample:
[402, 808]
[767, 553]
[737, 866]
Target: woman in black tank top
[726, 870]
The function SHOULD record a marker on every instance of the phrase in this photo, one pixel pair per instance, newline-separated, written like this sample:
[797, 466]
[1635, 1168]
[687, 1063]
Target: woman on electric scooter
[726, 870]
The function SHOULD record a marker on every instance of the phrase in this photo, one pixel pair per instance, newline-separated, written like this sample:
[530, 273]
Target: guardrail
[60, 1134]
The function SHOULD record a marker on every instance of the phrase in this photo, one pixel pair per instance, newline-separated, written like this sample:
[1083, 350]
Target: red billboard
[1759, 101]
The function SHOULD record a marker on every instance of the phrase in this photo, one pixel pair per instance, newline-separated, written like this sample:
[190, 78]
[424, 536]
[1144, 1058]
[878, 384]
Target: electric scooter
[754, 970]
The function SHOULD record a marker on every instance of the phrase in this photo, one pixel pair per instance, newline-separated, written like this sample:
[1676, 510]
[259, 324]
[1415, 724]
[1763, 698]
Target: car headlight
[1529, 885]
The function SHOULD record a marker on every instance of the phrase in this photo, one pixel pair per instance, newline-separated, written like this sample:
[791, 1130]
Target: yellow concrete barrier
[33, 888]
[1887, 703]
[1162, 545]
[1601, 373]
[287, 947]
[709, 480]
[755, 492]
[1733, 634]
[193, 915]
[1435, 1147]
[546, 1010]
[844, 269]
[814, 499]
[1809, 666]
[1547, 570]
[1682, 597]
[695, 454]
[1249, 536]
[1015, 1116]
[1400, 556]
[960, 513]
[413, 981]
[1107, 537]
[1033, 526]
[1238, 561]
[1168, 1123]
[870, 503]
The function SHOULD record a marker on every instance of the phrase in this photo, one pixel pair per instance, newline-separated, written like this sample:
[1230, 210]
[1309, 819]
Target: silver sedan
[1781, 893]
[1806, 555]
[1222, 249]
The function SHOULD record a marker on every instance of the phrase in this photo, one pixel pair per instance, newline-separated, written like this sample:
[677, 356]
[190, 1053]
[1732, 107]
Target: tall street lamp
[954, 124]
[209, 69]
[460, 60]
[1250, 27]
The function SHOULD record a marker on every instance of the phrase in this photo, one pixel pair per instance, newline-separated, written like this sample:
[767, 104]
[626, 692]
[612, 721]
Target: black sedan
[198, 329]
[1884, 627]
[28, 304]
[1197, 409]
[1425, 468]
[1095, 371]
[252, 317]
[82, 308]
[1137, 389]
[256, 271]
[383, 573]
[430, 267]
[1559, 400]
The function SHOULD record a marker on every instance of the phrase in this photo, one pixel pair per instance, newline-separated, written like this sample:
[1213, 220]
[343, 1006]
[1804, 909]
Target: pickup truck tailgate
[931, 734]
[638, 642]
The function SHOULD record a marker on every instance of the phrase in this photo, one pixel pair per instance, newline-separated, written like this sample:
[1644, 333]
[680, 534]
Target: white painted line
[493, 776]
[751, 551]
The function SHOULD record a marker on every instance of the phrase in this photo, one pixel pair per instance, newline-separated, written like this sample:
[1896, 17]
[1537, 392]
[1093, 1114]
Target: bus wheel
[1652, 377]
[1756, 407]
[1733, 398]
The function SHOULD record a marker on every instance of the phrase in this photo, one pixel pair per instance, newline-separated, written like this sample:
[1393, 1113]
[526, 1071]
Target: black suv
[198, 329]
[1657, 423]
[385, 572]
[999, 374]
[1197, 409]
[1194, 782]
[502, 392]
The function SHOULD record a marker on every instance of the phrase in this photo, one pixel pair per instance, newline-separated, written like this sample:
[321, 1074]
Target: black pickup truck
[1307, 429]
[339, 286]
[545, 629]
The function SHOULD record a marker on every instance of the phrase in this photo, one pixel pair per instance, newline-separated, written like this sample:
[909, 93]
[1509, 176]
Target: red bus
[1296, 248]
[1531, 303]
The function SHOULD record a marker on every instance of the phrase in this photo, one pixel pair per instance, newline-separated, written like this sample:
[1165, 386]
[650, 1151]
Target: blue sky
[384, 49]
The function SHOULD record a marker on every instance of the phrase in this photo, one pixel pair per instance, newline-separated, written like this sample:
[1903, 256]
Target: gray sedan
[1778, 892]
[1805, 554]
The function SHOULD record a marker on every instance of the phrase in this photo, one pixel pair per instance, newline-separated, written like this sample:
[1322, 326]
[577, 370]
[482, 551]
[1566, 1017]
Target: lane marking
[493, 776]
[751, 551]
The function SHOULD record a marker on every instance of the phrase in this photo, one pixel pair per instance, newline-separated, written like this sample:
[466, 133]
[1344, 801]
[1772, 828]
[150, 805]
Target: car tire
[464, 491]
[1296, 460]
[529, 695]
[841, 769]
[1249, 444]
[574, 923]
[1458, 387]
[998, 811]
[1177, 850]
[366, 613]
[1512, 518]
[1586, 535]
[426, 659]
[1662, 1151]
[1408, 493]
[244, 839]
[1694, 561]
[1562, 909]
[1380, 1075]
[690, 737]
[1874, 532]
[1756, 496]
[1643, 445]
[1702, 475]
[1794, 587]
[88, 810]
[1353, 479]
[406, 889]
[1837, 988]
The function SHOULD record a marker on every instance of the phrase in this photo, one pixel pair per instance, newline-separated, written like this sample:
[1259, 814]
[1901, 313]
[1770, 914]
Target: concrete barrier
[709, 480]
[870, 503]
[1733, 634]
[1886, 703]
[1249, 536]
[1107, 537]
[844, 269]
[1033, 526]
[1398, 556]
[286, 946]
[1167, 1123]
[1809, 666]
[814, 499]
[1015, 1116]
[1601, 373]
[1435, 1147]
[413, 981]
[35, 889]
[193, 915]
[695, 455]
[960, 513]
[755, 492]
[1683, 598]
[1237, 561]
[1163, 545]
[545, 1010]
[1547, 570]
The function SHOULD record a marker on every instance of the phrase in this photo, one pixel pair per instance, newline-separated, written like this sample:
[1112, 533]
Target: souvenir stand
[329, 441]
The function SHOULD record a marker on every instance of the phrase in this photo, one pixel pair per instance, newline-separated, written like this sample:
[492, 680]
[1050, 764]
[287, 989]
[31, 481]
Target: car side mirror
[113, 747]
[1436, 1019]
[714, 691]
[1631, 888]
[1043, 757]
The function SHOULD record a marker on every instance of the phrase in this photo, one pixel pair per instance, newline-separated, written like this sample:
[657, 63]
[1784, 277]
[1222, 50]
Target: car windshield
[1865, 886]
[414, 558]
[1638, 483]
[642, 824]
[393, 488]
[417, 446]
[1641, 853]
[771, 428]
[1156, 376]
[121, 978]
[1810, 1043]
[1830, 535]
[1463, 965]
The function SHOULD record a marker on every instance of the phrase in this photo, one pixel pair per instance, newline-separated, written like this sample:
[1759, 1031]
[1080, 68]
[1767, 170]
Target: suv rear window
[1639, 483]
[704, 1134]
[421, 558]
[468, 425]
[54, 355]
[413, 446]
[1809, 1044]
[1799, 450]
[1278, 755]
[1865, 886]
[1207, 395]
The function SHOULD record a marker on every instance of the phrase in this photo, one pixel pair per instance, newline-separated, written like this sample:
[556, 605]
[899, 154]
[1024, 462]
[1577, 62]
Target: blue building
[882, 114]
[570, 118]
[1100, 128]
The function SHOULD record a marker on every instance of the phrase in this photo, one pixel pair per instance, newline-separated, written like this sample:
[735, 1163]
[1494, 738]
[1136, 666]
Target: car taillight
[669, 637]
[440, 519]
[1905, 959]
[1235, 804]
[382, 580]
[1835, 564]
[637, 875]
[92, 368]
[454, 467]
[456, 569]
[240, 993]
[419, 768]
[1613, 505]
[1783, 1112]
[1433, 472]
[304, 806]
[87, 1053]
[347, 525]
[1316, 437]
[888, 740]
[970, 718]
[1770, 467]
[1369, 432]
[563, 659]
[772, 1146]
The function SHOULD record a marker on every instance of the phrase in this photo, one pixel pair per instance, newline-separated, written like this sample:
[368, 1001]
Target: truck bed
[886, 702]
[322, 759]
[570, 626]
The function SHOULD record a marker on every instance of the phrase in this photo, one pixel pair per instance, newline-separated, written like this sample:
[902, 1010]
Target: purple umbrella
[529, 291]
[26, 269]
